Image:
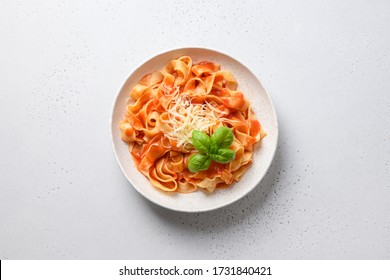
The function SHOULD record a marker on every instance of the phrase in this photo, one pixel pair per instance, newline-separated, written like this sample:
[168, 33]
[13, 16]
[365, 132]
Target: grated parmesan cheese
[186, 117]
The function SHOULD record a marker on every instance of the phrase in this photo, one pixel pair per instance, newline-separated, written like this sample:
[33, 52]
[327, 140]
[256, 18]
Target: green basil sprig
[214, 148]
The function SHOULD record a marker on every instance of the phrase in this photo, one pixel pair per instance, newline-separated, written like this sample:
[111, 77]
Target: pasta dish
[188, 127]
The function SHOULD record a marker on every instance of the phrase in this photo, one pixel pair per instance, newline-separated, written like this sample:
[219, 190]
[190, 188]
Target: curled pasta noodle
[181, 97]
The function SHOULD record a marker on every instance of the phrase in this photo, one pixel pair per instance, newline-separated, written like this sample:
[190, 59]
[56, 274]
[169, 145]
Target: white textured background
[326, 65]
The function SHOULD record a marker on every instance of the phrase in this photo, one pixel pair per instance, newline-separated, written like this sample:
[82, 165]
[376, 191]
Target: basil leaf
[199, 162]
[213, 147]
[223, 137]
[201, 141]
[223, 155]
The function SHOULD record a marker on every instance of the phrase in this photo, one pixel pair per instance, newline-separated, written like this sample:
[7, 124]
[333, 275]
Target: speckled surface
[326, 65]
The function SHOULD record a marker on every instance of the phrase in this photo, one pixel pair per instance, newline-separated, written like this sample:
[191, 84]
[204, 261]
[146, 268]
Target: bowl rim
[157, 202]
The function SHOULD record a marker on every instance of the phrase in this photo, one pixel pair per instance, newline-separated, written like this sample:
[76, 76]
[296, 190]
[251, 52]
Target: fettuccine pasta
[166, 106]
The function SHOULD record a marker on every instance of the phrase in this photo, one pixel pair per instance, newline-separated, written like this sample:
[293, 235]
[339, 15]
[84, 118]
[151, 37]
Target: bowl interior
[263, 153]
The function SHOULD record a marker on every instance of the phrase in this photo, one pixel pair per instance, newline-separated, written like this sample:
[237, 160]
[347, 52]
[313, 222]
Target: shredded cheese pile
[186, 117]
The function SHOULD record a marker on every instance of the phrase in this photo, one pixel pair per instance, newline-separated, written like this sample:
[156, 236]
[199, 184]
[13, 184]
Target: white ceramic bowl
[263, 154]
